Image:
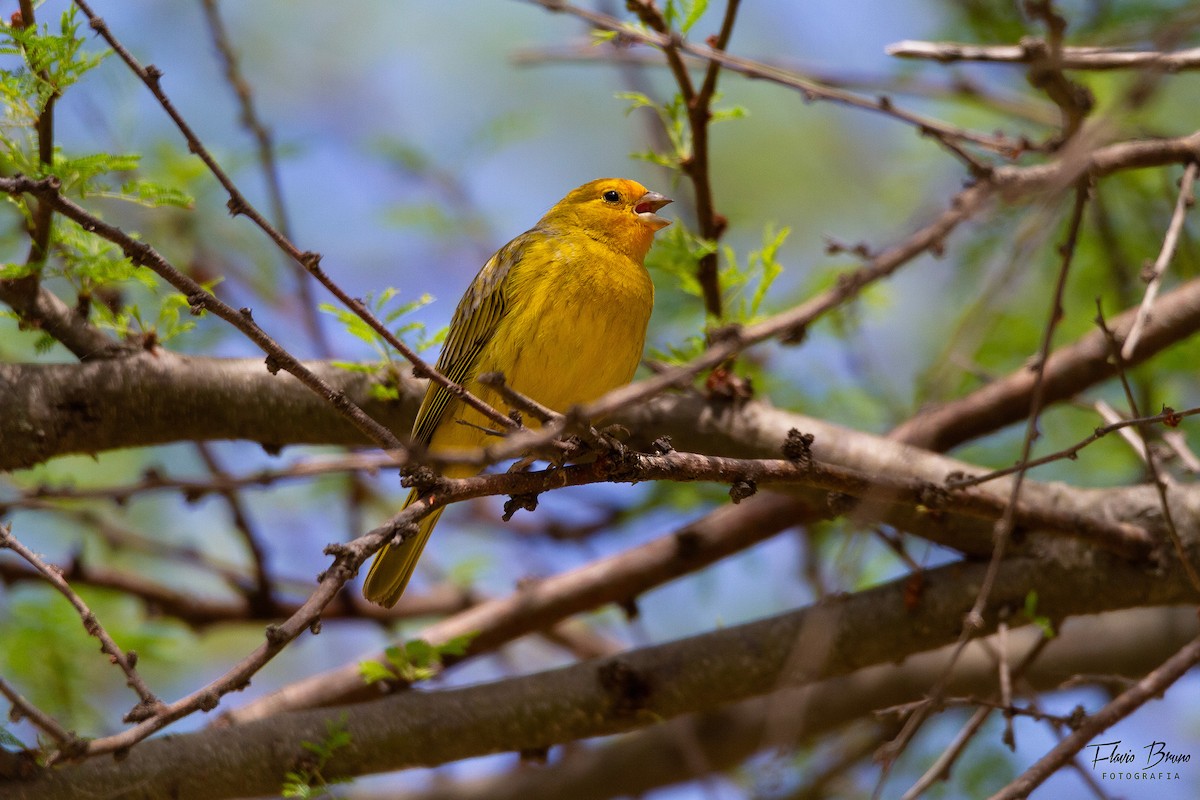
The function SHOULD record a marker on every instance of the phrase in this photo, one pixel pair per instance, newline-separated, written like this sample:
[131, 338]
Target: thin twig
[810, 89]
[1160, 484]
[940, 769]
[262, 596]
[270, 169]
[43, 721]
[1068, 453]
[1145, 690]
[1089, 58]
[695, 165]
[973, 620]
[1005, 526]
[149, 704]
[39, 246]
[154, 481]
[1045, 71]
[1165, 254]
[311, 261]
[33, 303]
[203, 611]
[346, 561]
[1113, 419]
[200, 299]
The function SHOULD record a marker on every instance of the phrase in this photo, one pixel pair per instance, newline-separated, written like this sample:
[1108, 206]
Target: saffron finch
[560, 311]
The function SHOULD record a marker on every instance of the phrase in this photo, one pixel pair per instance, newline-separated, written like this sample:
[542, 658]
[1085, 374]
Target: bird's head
[620, 212]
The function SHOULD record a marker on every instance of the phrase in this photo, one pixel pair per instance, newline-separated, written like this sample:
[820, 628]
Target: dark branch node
[797, 447]
[724, 384]
[142, 711]
[276, 636]
[236, 206]
[628, 689]
[687, 544]
[742, 489]
[794, 336]
[311, 261]
[420, 478]
[338, 551]
[535, 755]
[840, 503]
[211, 699]
[630, 608]
[933, 498]
[403, 533]
[527, 502]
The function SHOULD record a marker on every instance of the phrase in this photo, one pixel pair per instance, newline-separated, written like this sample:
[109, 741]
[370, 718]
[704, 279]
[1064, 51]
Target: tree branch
[714, 742]
[1089, 58]
[1147, 689]
[610, 695]
[57, 409]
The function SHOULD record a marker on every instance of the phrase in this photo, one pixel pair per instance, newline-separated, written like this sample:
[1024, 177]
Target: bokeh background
[414, 138]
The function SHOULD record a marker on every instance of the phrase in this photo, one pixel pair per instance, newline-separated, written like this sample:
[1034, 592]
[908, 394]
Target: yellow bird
[560, 311]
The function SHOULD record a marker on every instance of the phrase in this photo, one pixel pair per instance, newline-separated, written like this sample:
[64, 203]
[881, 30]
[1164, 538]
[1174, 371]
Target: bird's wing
[475, 320]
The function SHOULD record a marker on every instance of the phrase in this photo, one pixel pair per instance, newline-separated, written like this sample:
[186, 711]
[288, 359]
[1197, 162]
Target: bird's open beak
[649, 203]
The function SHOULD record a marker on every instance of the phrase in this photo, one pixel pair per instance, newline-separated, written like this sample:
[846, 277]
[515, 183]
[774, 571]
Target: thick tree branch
[699, 745]
[56, 409]
[615, 694]
[200, 299]
[1069, 370]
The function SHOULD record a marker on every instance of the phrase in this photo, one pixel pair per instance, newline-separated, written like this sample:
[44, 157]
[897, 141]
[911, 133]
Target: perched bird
[560, 312]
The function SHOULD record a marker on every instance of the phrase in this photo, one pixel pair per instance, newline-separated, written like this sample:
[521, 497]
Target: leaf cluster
[308, 780]
[415, 660]
[382, 307]
[744, 285]
[44, 65]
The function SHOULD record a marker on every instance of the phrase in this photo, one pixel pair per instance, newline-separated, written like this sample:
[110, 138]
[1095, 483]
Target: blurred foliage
[48, 654]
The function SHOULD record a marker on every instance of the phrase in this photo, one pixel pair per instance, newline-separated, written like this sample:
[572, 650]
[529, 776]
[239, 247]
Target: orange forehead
[630, 190]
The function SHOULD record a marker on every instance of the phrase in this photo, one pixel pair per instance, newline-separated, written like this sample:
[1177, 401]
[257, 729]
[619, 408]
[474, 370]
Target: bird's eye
[612, 196]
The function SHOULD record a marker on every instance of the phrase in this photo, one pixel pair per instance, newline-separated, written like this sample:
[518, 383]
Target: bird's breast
[576, 329]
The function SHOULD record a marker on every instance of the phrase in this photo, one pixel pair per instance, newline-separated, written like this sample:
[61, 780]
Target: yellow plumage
[560, 311]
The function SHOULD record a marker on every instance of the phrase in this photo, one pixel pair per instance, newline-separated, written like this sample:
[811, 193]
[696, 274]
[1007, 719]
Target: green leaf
[374, 672]
[733, 112]
[692, 15]
[9, 741]
[310, 781]
[378, 305]
[1040, 620]
[683, 14]
[636, 100]
[415, 660]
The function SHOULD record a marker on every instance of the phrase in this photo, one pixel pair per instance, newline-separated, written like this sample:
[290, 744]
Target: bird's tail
[394, 564]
